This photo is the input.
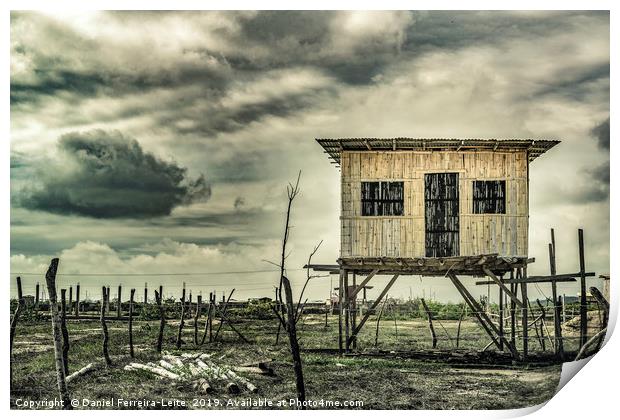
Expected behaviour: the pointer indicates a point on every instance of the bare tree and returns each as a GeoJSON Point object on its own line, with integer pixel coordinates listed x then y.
{"type": "Point", "coordinates": [288, 318]}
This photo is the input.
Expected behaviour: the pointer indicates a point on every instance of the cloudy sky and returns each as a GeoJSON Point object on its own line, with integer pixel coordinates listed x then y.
{"type": "Point", "coordinates": [157, 142]}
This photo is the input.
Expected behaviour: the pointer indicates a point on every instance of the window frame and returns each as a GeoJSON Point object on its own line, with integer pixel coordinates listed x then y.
{"type": "Point", "coordinates": [381, 203]}
{"type": "Point", "coordinates": [491, 202]}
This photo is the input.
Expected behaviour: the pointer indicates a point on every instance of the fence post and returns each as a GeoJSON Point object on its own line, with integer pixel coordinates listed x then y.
{"type": "Point", "coordinates": [118, 306]}
{"type": "Point", "coordinates": [132, 292]}
{"type": "Point", "coordinates": [50, 279]}
{"type": "Point", "coordinates": [64, 330]}
{"type": "Point", "coordinates": [105, 298]}
{"type": "Point", "coordinates": [77, 300]}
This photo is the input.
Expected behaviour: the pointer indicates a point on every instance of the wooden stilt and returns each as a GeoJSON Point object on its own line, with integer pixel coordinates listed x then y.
{"type": "Point", "coordinates": [502, 286]}
{"type": "Point", "coordinates": [374, 305]}
{"type": "Point", "coordinates": [501, 317]}
{"type": "Point", "coordinates": [522, 273]}
{"type": "Point", "coordinates": [347, 314]}
{"type": "Point", "coordinates": [583, 307]}
{"type": "Point", "coordinates": [482, 317]}
{"type": "Point", "coordinates": [340, 308]}
{"type": "Point", "coordinates": [513, 314]}
{"type": "Point", "coordinates": [353, 303]}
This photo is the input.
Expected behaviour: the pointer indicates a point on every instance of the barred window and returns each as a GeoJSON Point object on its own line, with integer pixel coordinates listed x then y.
{"type": "Point", "coordinates": [489, 197]}
{"type": "Point", "coordinates": [382, 198]}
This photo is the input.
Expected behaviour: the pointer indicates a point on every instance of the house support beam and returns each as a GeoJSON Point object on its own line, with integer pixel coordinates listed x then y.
{"type": "Point", "coordinates": [506, 290]}
{"type": "Point", "coordinates": [371, 309]}
{"type": "Point", "coordinates": [486, 322]}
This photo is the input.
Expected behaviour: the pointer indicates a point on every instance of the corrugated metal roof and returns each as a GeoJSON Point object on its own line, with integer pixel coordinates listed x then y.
{"type": "Point", "coordinates": [535, 148]}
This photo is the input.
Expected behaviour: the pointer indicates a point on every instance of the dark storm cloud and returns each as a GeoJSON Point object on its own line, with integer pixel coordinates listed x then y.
{"type": "Point", "coordinates": [108, 175]}
{"type": "Point", "coordinates": [601, 173]}
{"type": "Point", "coordinates": [601, 134]}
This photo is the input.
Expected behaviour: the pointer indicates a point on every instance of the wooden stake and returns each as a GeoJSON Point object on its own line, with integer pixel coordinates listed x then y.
{"type": "Point", "coordinates": [430, 322]}
{"type": "Point", "coordinates": [161, 293]}
{"type": "Point", "coordinates": [64, 330]}
{"type": "Point", "coordinates": [196, 316]}
{"type": "Point", "coordinates": [70, 305]}
{"type": "Point", "coordinates": [208, 323]}
{"type": "Point", "coordinates": [36, 297]}
{"type": "Point", "coordinates": [132, 293]}
{"type": "Point", "coordinates": [162, 317]}
{"type": "Point", "coordinates": [182, 323]}
{"type": "Point", "coordinates": [50, 279]}
{"type": "Point", "coordinates": [119, 303]}
{"type": "Point", "coordinates": [104, 327]}
{"type": "Point", "coordinates": [77, 300]}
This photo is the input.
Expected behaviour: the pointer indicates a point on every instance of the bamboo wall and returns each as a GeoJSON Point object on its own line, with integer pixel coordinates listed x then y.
{"type": "Point", "coordinates": [403, 236]}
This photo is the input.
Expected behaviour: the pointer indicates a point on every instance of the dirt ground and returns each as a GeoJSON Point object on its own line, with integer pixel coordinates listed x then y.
{"type": "Point", "coordinates": [385, 381]}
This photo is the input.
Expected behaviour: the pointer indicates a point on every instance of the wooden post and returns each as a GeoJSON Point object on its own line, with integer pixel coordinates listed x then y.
{"type": "Point", "coordinates": [15, 319]}
{"type": "Point", "coordinates": [77, 300]}
{"type": "Point", "coordinates": [107, 294]}
{"type": "Point", "coordinates": [374, 305]}
{"type": "Point", "coordinates": [146, 293]}
{"type": "Point", "coordinates": [70, 305]}
{"type": "Point", "coordinates": [196, 316]}
{"type": "Point", "coordinates": [162, 317]}
{"type": "Point", "coordinates": [50, 279]}
{"type": "Point", "coordinates": [132, 292]}
{"type": "Point", "coordinates": [513, 314]}
{"type": "Point", "coordinates": [36, 297]}
{"type": "Point", "coordinates": [340, 308]}
{"type": "Point", "coordinates": [182, 323]}
{"type": "Point", "coordinates": [430, 322]}
{"type": "Point", "coordinates": [353, 306]}
{"type": "Point", "coordinates": [583, 307]}
{"type": "Point", "coordinates": [161, 293]}
{"type": "Point", "coordinates": [522, 272]}
{"type": "Point", "coordinates": [119, 303]}
{"type": "Point", "coordinates": [208, 329]}
{"type": "Point", "coordinates": [501, 316]}
{"type": "Point", "coordinates": [64, 330]}
{"type": "Point", "coordinates": [482, 317]}
{"type": "Point", "coordinates": [104, 327]}
{"type": "Point", "coordinates": [294, 344]}
{"type": "Point", "coordinates": [347, 314]}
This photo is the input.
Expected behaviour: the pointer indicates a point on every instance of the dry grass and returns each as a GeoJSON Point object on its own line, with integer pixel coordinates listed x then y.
{"type": "Point", "coordinates": [387, 383]}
